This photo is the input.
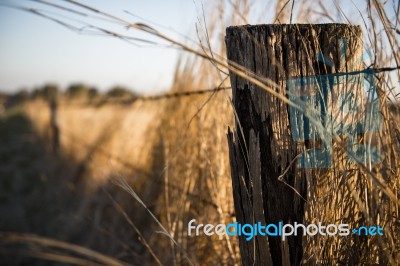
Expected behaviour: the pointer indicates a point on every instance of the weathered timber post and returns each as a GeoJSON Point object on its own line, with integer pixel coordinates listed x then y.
{"type": "Point", "coordinates": [267, 186]}
{"type": "Point", "coordinates": [51, 95]}
{"type": "Point", "coordinates": [55, 130]}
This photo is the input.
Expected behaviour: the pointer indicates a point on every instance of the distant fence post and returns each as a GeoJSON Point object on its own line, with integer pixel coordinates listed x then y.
{"type": "Point", "coordinates": [55, 130]}
{"type": "Point", "coordinates": [269, 136]}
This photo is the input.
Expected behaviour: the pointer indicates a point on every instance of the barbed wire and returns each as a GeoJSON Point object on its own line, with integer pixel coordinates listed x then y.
{"type": "Point", "coordinates": [66, 101]}
{"type": "Point", "coordinates": [222, 88]}
{"type": "Point", "coordinates": [181, 94]}
{"type": "Point", "coordinates": [170, 95]}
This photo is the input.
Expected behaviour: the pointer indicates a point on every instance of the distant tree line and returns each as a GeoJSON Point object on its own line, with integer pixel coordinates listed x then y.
{"type": "Point", "coordinates": [76, 91]}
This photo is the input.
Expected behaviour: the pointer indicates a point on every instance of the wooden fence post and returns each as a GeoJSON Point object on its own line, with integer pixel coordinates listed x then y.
{"type": "Point", "coordinates": [55, 130]}
{"type": "Point", "coordinates": [267, 186]}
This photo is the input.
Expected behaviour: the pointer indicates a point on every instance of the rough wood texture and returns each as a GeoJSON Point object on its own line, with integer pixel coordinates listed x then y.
{"type": "Point", "coordinates": [262, 146]}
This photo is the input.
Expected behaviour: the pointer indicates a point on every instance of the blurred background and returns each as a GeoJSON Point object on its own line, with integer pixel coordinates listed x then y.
{"type": "Point", "coordinates": [113, 134]}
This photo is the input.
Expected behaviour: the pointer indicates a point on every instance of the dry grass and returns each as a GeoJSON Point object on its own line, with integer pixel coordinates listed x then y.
{"type": "Point", "coordinates": [175, 157]}
{"type": "Point", "coordinates": [174, 154]}
{"type": "Point", "coordinates": [106, 138]}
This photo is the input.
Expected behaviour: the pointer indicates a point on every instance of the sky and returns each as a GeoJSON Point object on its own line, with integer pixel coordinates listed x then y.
{"type": "Point", "coordinates": [34, 50]}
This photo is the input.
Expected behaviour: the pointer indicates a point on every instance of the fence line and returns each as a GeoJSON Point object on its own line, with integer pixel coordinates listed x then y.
{"type": "Point", "coordinates": [132, 99]}
{"type": "Point", "coordinates": [171, 95]}
{"type": "Point", "coordinates": [181, 94]}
